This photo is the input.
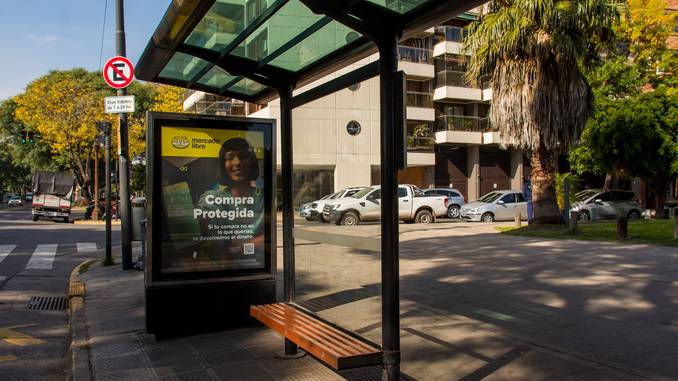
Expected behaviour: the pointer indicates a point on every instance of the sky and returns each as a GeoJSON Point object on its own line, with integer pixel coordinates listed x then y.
{"type": "Point", "coordinates": [37, 36]}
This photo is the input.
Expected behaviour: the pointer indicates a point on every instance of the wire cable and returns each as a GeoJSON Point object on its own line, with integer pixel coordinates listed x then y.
{"type": "Point", "coordinates": [103, 33]}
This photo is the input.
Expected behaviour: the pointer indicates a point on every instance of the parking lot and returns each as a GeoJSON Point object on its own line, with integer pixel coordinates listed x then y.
{"type": "Point", "coordinates": [476, 304]}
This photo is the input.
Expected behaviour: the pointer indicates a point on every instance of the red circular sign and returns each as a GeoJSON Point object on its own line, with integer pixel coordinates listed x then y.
{"type": "Point", "coordinates": [118, 72]}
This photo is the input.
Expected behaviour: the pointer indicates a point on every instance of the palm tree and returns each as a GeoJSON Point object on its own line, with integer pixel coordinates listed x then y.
{"type": "Point", "coordinates": [534, 49]}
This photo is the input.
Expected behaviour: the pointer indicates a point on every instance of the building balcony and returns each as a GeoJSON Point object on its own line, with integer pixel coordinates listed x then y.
{"type": "Point", "coordinates": [417, 63]}
{"type": "Point", "coordinates": [420, 106]}
{"type": "Point", "coordinates": [424, 144]}
{"type": "Point", "coordinates": [462, 129]}
{"type": "Point", "coordinates": [452, 84]}
{"type": "Point", "coordinates": [450, 40]}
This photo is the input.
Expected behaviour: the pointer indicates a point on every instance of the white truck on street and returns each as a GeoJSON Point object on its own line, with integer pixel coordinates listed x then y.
{"type": "Point", "coordinates": [52, 195]}
{"type": "Point", "coordinates": [365, 205]}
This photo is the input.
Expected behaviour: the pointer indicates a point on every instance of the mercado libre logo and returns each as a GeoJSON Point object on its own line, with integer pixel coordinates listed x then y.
{"type": "Point", "coordinates": [180, 142]}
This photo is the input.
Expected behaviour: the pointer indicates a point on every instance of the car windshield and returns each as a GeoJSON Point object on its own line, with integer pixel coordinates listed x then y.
{"type": "Point", "coordinates": [335, 196]}
{"type": "Point", "coordinates": [328, 196]}
{"type": "Point", "coordinates": [583, 195]}
{"type": "Point", "coordinates": [490, 197]}
{"type": "Point", "coordinates": [361, 193]}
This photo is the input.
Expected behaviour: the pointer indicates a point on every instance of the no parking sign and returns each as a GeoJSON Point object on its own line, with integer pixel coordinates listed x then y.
{"type": "Point", "coordinates": [118, 72]}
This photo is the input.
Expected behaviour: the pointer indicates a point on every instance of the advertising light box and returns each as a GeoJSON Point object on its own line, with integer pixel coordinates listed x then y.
{"type": "Point", "coordinates": [211, 206]}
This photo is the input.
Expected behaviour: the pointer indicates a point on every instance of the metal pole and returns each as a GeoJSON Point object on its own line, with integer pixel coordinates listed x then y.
{"type": "Point", "coordinates": [390, 294]}
{"type": "Point", "coordinates": [291, 349]}
{"type": "Point", "coordinates": [125, 211]}
{"type": "Point", "coordinates": [95, 211]}
{"type": "Point", "coordinates": [566, 200]}
{"type": "Point", "coordinates": [107, 214]}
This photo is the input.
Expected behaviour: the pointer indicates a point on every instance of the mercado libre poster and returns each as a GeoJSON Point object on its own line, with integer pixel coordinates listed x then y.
{"type": "Point", "coordinates": [212, 199]}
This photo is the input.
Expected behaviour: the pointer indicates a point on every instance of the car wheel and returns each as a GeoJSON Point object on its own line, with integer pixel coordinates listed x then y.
{"type": "Point", "coordinates": [65, 219]}
{"type": "Point", "coordinates": [423, 217]}
{"type": "Point", "coordinates": [35, 217]}
{"type": "Point", "coordinates": [349, 219]}
{"type": "Point", "coordinates": [309, 219]}
{"type": "Point", "coordinates": [633, 215]}
{"type": "Point", "coordinates": [487, 217]}
{"type": "Point", "coordinates": [584, 215]}
{"type": "Point", "coordinates": [453, 211]}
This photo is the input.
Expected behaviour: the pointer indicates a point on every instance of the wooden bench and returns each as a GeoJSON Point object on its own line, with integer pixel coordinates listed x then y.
{"type": "Point", "coordinates": [328, 344]}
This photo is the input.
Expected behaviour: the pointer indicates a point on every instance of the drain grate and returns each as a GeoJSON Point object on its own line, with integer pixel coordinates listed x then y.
{"type": "Point", "coordinates": [47, 303]}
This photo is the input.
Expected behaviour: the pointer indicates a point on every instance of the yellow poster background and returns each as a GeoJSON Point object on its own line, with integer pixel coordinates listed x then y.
{"type": "Point", "coordinates": [204, 142]}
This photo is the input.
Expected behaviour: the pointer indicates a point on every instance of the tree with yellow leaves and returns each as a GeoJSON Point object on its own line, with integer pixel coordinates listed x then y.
{"type": "Point", "coordinates": [62, 108]}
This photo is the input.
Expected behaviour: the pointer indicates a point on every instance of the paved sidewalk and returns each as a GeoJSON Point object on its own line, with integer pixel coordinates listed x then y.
{"type": "Point", "coordinates": [118, 348]}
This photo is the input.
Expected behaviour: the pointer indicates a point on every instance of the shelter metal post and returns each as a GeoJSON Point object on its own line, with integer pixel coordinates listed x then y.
{"type": "Point", "coordinates": [287, 158]}
{"type": "Point", "coordinates": [390, 294]}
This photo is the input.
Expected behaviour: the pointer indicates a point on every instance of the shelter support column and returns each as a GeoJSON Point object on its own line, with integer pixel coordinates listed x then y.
{"type": "Point", "coordinates": [287, 158]}
{"type": "Point", "coordinates": [390, 293]}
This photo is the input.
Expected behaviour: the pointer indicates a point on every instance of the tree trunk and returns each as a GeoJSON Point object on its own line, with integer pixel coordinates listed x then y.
{"type": "Point", "coordinates": [609, 178]}
{"type": "Point", "coordinates": [544, 200]}
{"type": "Point", "coordinates": [660, 192]}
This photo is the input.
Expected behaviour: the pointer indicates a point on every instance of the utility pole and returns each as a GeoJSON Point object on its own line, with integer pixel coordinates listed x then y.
{"type": "Point", "coordinates": [105, 128]}
{"type": "Point", "coordinates": [123, 154]}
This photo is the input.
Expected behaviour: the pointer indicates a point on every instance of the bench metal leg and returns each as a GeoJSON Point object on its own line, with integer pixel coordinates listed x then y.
{"type": "Point", "coordinates": [292, 351]}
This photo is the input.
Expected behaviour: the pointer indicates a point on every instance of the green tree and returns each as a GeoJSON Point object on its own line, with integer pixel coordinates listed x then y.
{"type": "Point", "coordinates": [534, 51]}
{"type": "Point", "coordinates": [635, 137]}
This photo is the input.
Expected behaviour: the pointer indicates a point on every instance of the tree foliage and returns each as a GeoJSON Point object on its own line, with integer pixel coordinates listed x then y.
{"type": "Point", "coordinates": [62, 107]}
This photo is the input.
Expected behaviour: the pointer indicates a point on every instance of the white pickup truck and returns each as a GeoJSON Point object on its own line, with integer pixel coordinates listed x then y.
{"type": "Point", "coordinates": [366, 206]}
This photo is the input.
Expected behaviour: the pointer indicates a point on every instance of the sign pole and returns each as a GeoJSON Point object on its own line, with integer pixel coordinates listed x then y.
{"type": "Point", "coordinates": [123, 154]}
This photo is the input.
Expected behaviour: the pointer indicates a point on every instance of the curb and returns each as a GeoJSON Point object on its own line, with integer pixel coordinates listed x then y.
{"type": "Point", "coordinates": [78, 349]}
{"type": "Point", "coordinates": [90, 222]}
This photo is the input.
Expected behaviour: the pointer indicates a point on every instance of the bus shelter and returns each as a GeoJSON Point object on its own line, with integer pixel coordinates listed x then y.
{"type": "Point", "coordinates": [216, 46]}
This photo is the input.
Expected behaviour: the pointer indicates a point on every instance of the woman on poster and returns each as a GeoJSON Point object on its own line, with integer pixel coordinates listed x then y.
{"type": "Point", "coordinates": [238, 200]}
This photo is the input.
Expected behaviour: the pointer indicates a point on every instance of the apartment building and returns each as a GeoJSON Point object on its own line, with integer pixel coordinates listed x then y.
{"type": "Point", "coordinates": [450, 141]}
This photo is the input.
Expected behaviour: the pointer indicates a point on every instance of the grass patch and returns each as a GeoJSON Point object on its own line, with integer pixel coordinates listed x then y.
{"type": "Point", "coordinates": [84, 268]}
{"type": "Point", "coordinates": [656, 232]}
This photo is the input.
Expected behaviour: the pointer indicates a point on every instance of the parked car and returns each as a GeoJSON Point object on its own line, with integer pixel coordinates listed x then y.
{"type": "Point", "coordinates": [496, 206]}
{"type": "Point", "coordinates": [7, 196]}
{"type": "Point", "coordinates": [314, 210]}
{"type": "Point", "coordinates": [455, 199]}
{"type": "Point", "coordinates": [365, 205]}
{"type": "Point", "coordinates": [28, 197]}
{"type": "Point", "coordinates": [596, 203]}
{"type": "Point", "coordinates": [15, 201]}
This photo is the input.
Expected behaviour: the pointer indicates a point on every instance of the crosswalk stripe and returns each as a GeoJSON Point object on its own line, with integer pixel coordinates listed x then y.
{"type": "Point", "coordinates": [43, 257]}
{"type": "Point", "coordinates": [5, 250]}
{"type": "Point", "coordinates": [85, 247]}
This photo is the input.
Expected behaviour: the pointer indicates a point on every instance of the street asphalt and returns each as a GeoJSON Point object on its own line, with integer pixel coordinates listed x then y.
{"type": "Point", "coordinates": [36, 259]}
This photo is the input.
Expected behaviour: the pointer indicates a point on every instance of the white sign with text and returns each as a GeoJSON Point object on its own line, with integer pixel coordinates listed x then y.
{"type": "Point", "coordinates": [115, 105]}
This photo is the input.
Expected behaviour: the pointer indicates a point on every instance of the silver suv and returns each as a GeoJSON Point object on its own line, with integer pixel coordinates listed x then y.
{"type": "Point", "coordinates": [454, 198]}
{"type": "Point", "coordinates": [496, 206]}
{"type": "Point", "coordinates": [596, 203]}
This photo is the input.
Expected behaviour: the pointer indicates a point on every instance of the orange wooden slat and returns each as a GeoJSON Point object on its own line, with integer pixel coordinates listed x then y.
{"type": "Point", "coordinates": [330, 345]}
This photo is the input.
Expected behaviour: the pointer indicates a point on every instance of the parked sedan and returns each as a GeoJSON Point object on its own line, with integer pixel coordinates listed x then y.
{"type": "Point", "coordinates": [496, 206]}
{"type": "Point", "coordinates": [454, 197]}
{"type": "Point", "coordinates": [15, 201]}
{"type": "Point", "coordinates": [595, 203]}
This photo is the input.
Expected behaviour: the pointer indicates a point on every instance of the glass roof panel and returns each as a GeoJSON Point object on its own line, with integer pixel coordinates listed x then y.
{"type": "Point", "coordinates": [287, 23]}
{"type": "Point", "coordinates": [225, 20]}
{"type": "Point", "coordinates": [216, 77]}
{"type": "Point", "coordinates": [326, 40]}
{"type": "Point", "coordinates": [183, 67]}
{"type": "Point", "coordinates": [246, 86]}
{"type": "Point", "coordinates": [400, 6]}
